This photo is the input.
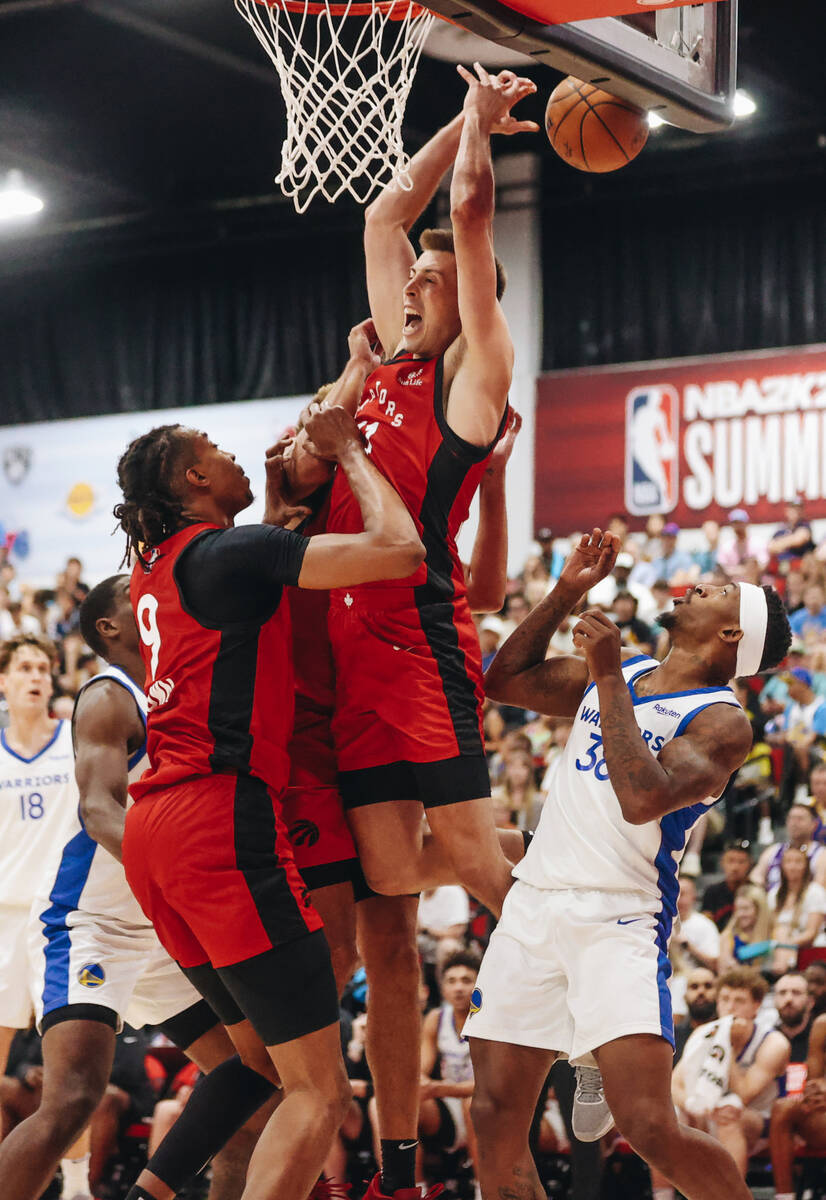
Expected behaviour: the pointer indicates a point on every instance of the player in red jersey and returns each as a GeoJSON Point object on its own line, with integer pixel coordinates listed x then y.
{"type": "Point", "coordinates": [205, 850]}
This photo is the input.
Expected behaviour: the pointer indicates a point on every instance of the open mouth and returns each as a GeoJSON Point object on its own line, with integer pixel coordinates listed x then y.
{"type": "Point", "coordinates": [412, 320]}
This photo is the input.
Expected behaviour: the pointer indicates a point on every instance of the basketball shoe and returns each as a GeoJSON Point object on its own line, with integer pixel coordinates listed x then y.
{"type": "Point", "coordinates": [374, 1191]}
{"type": "Point", "coordinates": [591, 1116]}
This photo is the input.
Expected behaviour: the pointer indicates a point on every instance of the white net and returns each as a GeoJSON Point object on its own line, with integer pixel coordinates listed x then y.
{"type": "Point", "coordinates": [345, 71]}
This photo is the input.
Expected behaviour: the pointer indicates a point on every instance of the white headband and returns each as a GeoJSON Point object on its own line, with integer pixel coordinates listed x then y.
{"type": "Point", "coordinates": [754, 617]}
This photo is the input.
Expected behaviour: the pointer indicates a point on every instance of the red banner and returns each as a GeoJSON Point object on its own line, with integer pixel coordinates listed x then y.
{"type": "Point", "coordinates": [560, 12]}
{"type": "Point", "coordinates": [690, 437]}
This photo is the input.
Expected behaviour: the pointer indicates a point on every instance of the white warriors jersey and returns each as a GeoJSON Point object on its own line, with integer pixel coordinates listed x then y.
{"type": "Point", "coordinates": [583, 840]}
{"type": "Point", "coordinates": [36, 811]}
{"type": "Point", "coordinates": [454, 1050]}
{"type": "Point", "coordinates": [82, 875]}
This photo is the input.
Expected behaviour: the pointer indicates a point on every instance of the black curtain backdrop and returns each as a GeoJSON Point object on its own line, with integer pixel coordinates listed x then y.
{"type": "Point", "coordinates": [662, 276]}
{"type": "Point", "coordinates": [268, 318]}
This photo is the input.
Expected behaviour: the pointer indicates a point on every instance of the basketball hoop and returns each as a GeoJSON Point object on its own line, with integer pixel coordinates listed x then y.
{"type": "Point", "coordinates": [345, 71]}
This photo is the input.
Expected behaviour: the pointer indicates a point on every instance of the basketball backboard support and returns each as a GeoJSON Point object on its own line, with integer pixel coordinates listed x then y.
{"type": "Point", "coordinates": [679, 62]}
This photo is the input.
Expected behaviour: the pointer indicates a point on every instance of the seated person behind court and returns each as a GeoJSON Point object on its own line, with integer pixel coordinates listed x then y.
{"type": "Point", "coordinates": [739, 1113]}
{"type": "Point", "coordinates": [797, 906]}
{"type": "Point", "coordinates": [802, 1117]}
{"type": "Point", "coordinates": [748, 927]}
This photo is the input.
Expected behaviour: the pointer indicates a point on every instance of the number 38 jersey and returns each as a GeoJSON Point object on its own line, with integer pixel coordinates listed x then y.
{"type": "Point", "coordinates": [583, 840]}
{"type": "Point", "coordinates": [37, 809]}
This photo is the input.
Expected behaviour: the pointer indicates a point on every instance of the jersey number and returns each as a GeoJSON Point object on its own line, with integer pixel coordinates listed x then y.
{"type": "Point", "coordinates": [148, 625]}
{"type": "Point", "coordinates": [593, 762]}
{"type": "Point", "coordinates": [367, 432]}
{"type": "Point", "coordinates": [31, 807]}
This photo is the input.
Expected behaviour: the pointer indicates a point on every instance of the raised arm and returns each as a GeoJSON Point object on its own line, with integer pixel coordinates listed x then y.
{"type": "Point", "coordinates": [387, 250]}
{"type": "Point", "coordinates": [688, 769]}
{"type": "Point", "coordinates": [520, 674]}
{"type": "Point", "coordinates": [480, 364]}
{"type": "Point", "coordinates": [107, 728]}
{"type": "Point", "coordinates": [486, 575]}
{"type": "Point", "coordinates": [389, 547]}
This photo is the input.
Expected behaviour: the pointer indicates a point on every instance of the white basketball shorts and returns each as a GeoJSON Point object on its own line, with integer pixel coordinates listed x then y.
{"type": "Point", "coordinates": [77, 958]}
{"type": "Point", "coordinates": [15, 998]}
{"type": "Point", "coordinates": [572, 970]}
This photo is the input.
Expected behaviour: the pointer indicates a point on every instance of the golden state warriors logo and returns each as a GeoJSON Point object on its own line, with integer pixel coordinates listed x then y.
{"type": "Point", "coordinates": [91, 976]}
{"type": "Point", "coordinates": [475, 1001]}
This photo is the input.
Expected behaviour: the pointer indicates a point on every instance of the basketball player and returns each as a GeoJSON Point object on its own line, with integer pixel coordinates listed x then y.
{"type": "Point", "coordinates": [35, 813]}
{"type": "Point", "coordinates": [578, 964]}
{"type": "Point", "coordinates": [204, 847]}
{"type": "Point", "coordinates": [94, 960]}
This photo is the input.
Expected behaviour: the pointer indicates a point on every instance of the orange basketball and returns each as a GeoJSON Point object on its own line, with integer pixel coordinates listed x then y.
{"type": "Point", "coordinates": [592, 130]}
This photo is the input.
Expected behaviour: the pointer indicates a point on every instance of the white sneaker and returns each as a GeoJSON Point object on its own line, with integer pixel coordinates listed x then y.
{"type": "Point", "coordinates": [591, 1117]}
{"type": "Point", "coordinates": [691, 864]}
{"type": "Point", "coordinates": [765, 834]}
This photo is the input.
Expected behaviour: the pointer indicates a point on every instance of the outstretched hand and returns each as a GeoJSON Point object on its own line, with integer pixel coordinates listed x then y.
{"type": "Point", "coordinates": [330, 431]}
{"type": "Point", "coordinates": [591, 560]}
{"type": "Point", "coordinates": [492, 97]}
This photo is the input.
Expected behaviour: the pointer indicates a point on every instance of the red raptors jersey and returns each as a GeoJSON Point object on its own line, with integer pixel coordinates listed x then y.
{"type": "Point", "coordinates": [311, 750]}
{"type": "Point", "coordinates": [436, 473]}
{"type": "Point", "coordinates": [220, 699]}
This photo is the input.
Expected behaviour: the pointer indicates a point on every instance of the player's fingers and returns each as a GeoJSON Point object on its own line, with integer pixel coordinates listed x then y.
{"type": "Point", "coordinates": [483, 76]}
{"type": "Point", "coordinates": [466, 75]}
{"type": "Point", "coordinates": [522, 126]}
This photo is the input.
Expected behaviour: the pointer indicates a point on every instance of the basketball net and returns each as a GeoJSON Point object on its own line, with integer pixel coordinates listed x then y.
{"type": "Point", "coordinates": [345, 71]}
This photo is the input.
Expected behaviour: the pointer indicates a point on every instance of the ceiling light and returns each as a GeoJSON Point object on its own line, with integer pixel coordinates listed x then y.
{"type": "Point", "coordinates": [744, 106]}
{"type": "Point", "coordinates": [655, 120]}
{"type": "Point", "coordinates": [16, 200]}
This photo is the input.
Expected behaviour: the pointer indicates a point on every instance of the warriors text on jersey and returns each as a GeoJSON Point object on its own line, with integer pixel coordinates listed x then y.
{"type": "Point", "coordinates": [415, 636]}
{"type": "Point", "coordinates": [37, 809]}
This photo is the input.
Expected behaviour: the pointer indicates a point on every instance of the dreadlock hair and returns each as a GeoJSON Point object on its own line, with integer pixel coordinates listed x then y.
{"type": "Point", "coordinates": [151, 511]}
{"type": "Point", "coordinates": [99, 603]}
{"type": "Point", "coordinates": [778, 631]}
{"type": "Point", "coordinates": [442, 239]}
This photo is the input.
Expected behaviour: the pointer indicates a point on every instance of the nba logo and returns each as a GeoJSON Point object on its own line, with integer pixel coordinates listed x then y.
{"type": "Point", "coordinates": [651, 449]}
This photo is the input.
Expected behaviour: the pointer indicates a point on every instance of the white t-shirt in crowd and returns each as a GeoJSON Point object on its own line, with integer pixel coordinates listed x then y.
{"type": "Point", "coordinates": [703, 935]}
{"type": "Point", "coordinates": [814, 901]}
{"type": "Point", "coordinates": [443, 907]}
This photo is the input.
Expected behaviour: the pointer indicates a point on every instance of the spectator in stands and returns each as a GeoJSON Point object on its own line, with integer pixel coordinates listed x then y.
{"type": "Point", "coordinates": [718, 898]}
{"type": "Point", "coordinates": [801, 823]}
{"type": "Point", "coordinates": [741, 547]}
{"type": "Point", "coordinates": [705, 559]}
{"type": "Point", "coordinates": [672, 564]}
{"type": "Point", "coordinates": [444, 913]}
{"type": "Point", "coordinates": [517, 793]}
{"type": "Point", "coordinates": [775, 694]}
{"type": "Point", "coordinates": [801, 728]}
{"type": "Point", "coordinates": [809, 622]}
{"type": "Point", "coordinates": [749, 926]}
{"type": "Point", "coordinates": [545, 541]}
{"type": "Point", "coordinates": [444, 1105]}
{"type": "Point", "coordinates": [701, 1006]}
{"type": "Point", "coordinates": [490, 637]}
{"type": "Point", "coordinates": [798, 908]}
{"type": "Point", "coordinates": [794, 539]}
{"type": "Point", "coordinates": [358, 1072]}
{"type": "Point", "coordinates": [747, 1057]}
{"type": "Point", "coordinates": [606, 591]}
{"type": "Point", "coordinates": [619, 523]}
{"type": "Point", "coordinates": [516, 609]}
{"type": "Point", "coordinates": [815, 975]}
{"type": "Point", "coordinates": [800, 1116]}
{"type": "Point", "coordinates": [20, 1086]}
{"type": "Point", "coordinates": [636, 635]}
{"type": "Point", "coordinates": [695, 942]}
{"type": "Point", "coordinates": [794, 1014]}
{"type": "Point", "coordinates": [817, 799]}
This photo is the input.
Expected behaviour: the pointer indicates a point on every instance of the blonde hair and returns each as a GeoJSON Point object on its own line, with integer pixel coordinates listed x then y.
{"type": "Point", "coordinates": [442, 239]}
{"type": "Point", "coordinates": [762, 924]}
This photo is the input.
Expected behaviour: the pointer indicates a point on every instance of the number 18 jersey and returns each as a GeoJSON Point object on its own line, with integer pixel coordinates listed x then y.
{"type": "Point", "coordinates": [583, 841]}
{"type": "Point", "coordinates": [37, 808]}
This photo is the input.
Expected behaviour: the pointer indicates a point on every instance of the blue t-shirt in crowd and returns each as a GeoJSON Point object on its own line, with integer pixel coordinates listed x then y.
{"type": "Point", "coordinates": [804, 623]}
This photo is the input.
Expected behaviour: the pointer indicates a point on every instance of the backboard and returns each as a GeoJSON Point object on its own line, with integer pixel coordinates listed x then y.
{"type": "Point", "coordinates": [680, 62]}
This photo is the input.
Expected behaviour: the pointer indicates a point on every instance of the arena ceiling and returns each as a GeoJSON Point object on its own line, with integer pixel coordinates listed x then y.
{"type": "Point", "coordinates": [147, 122]}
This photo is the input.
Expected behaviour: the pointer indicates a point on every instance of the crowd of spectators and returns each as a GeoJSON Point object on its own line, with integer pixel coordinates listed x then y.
{"type": "Point", "coordinates": [752, 901]}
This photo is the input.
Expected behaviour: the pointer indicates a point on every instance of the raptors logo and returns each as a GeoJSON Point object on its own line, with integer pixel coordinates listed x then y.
{"type": "Point", "coordinates": [16, 463]}
{"type": "Point", "coordinates": [651, 449]}
{"type": "Point", "coordinates": [304, 833]}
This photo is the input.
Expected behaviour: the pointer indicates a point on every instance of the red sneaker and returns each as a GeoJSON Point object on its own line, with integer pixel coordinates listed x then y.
{"type": "Point", "coordinates": [374, 1191]}
{"type": "Point", "coordinates": [330, 1189]}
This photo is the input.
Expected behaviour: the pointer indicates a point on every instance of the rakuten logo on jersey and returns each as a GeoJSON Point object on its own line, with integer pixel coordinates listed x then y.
{"type": "Point", "coordinates": [159, 692]}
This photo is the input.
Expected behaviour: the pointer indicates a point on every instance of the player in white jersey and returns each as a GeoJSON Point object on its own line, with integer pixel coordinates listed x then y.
{"type": "Point", "coordinates": [444, 1108]}
{"type": "Point", "coordinates": [578, 963]}
{"type": "Point", "coordinates": [95, 961]}
{"type": "Point", "coordinates": [36, 809]}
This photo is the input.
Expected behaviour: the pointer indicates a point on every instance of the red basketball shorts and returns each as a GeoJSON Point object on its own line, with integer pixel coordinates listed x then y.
{"type": "Point", "coordinates": [408, 691]}
{"type": "Point", "coordinates": [212, 867]}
